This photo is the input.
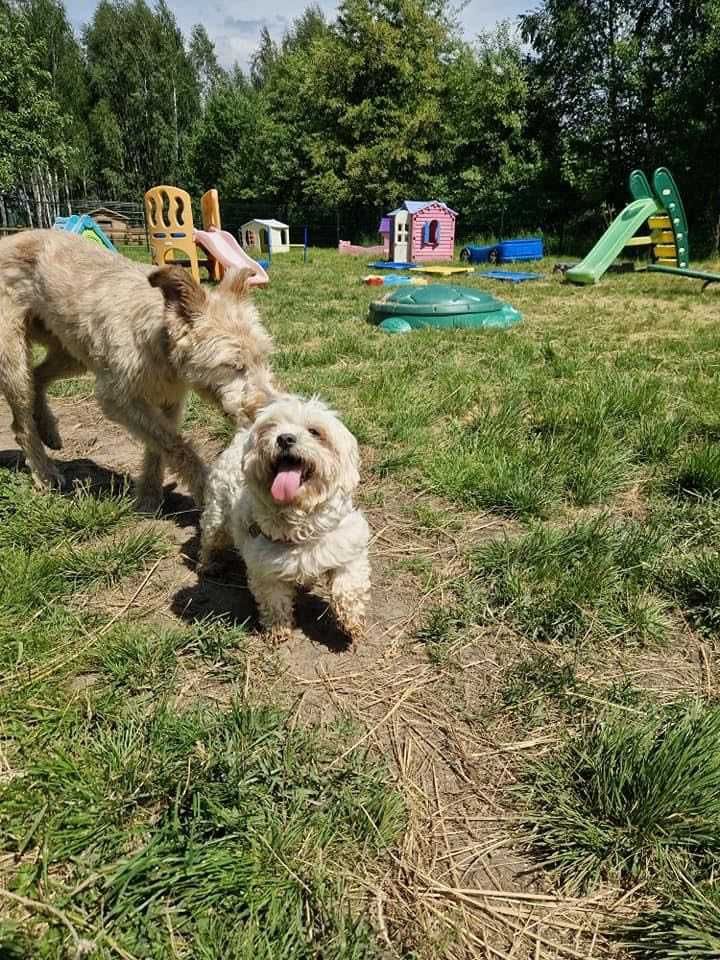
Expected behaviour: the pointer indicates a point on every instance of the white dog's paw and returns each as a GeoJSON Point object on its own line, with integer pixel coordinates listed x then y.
{"type": "Point", "coordinates": [355, 630]}
{"type": "Point", "coordinates": [279, 636]}
{"type": "Point", "coordinates": [349, 614]}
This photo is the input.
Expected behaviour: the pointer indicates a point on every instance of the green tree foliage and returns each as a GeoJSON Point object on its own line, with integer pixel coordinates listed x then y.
{"type": "Point", "coordinates": [516, 129]}
{"type": "Point", "coordinates": [491, 161]}
{"type": "Point", "coordinates": [625, 83]}
{"type": "Point", "coordinates": [204, 61]}
{"type": "Point", "coordinates": [33, 126]}
{"type": "Point", "coordinates": [145, 90]}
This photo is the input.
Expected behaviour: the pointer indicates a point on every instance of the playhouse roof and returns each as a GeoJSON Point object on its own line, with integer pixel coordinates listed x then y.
{"type": "Point", "coordinates": [415, 206]}
{"type": "Point", "coordinates": [107, 212]}
{"type": "Point", "coordinates": [384, 226]}
{"type": "Point", "coordinates": [270, 223]}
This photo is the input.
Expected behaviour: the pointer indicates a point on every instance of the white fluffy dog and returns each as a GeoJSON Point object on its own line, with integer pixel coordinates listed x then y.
{"type": "Point", "coordinates": [282, 495]}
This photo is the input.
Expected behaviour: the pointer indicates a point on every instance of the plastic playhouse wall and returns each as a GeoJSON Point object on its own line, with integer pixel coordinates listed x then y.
{"type": "Point", "coordinates": [433, 234]}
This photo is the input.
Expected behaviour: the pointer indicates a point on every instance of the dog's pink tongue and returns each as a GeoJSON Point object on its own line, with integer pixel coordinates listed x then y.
{"type": "Point", "coordinates": [286, 484]}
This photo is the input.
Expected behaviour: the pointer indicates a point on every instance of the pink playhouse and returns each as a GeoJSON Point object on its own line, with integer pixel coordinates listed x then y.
{"type": "Point", "coordinates": [422, 230]}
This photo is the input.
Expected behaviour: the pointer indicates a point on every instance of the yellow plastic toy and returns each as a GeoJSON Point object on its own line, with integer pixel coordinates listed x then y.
{"type": "Point", "coordinates": [168, 214]}
{"type": "Point", "coordinates": [442, 271]}
{"type": "Point", "coordinates": [210, 207]}
{"type": "Point", "coordinates": [169, 218]}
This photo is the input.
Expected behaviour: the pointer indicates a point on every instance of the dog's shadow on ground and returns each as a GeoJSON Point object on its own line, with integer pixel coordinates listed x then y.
{"type": "Point", "coordinates": [86, 474]}
{"type": "Point", "coordinates": [224, 593]}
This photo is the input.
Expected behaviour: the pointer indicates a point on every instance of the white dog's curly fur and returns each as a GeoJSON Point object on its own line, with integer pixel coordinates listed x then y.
{"type": "Point", "coordinates": [282, 495]}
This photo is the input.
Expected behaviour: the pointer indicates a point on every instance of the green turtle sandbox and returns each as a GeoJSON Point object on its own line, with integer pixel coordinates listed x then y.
{"type": "Point", "coordinates": [441, 306]}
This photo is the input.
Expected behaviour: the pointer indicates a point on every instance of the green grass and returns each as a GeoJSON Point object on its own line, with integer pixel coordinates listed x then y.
{"type": "Point", "coordinates": [686, 928]}
{"type": "Point", "coordinates": [593, 429]}
{"type": "Point", "coordinates": [199, 814]}
{"type": "Point", "coordinates": [633, 796]}
{"type": "Point", "coordinates": [160, 830]}
{"type": "Point", "coordinates": [588, 581]}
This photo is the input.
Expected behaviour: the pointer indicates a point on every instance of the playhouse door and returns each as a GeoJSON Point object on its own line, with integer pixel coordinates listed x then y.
{"type": "Point", "coordinates": [400, 247]}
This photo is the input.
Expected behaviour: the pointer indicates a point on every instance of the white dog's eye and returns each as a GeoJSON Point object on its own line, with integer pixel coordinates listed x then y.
{"type": "Point", "coordinates": [242, 370]}
{"type": "Point", "coordinates": [314, 432]}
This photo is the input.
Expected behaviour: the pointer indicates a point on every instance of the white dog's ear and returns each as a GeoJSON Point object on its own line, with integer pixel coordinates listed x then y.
{"type": "Point", "coordinates": [180, 291]}
{"type": "Point", "coordinates": [236, 283]}
{"type": "Point", "coordinates": [351, 472]}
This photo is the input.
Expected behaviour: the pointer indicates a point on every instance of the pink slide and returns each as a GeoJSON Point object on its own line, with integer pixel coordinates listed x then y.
{"type": "Point", "coordinates": [223, 247]}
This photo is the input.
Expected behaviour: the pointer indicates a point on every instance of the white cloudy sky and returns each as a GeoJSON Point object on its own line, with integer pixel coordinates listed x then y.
{"type": "Point", "coordinates": [235, 25]}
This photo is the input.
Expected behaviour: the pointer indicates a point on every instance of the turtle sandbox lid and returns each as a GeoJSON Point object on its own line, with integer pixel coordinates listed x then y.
{"type": "Point", "coordinates": [443, 306]}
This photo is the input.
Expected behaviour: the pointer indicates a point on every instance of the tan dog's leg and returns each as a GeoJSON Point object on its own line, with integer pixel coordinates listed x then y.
{"type": "Point", "coordinates": [155, 430]}
{"type": "Point", "coordinates": [349, 594]}
{"type": "Point", "coordinates": [16, 382]}
{"type": "Point", "coordinates": [275, 601]}
{"type": "Point", "coordinates": [150, 485]}
{"type": "Point", "coordinates": [57, 364]}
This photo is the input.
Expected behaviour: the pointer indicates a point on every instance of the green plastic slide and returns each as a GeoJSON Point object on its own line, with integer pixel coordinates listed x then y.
{"type": "Point", "coordinates": [666, 189]}
{"type": "Point", "coordinates": [612, 242]}
{"type": "Point", "coordinates": [640, 188]}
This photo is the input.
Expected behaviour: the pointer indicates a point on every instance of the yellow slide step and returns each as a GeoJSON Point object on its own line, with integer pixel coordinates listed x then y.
{"type": "Point", "coordinates": [667, 261]}
{"type": "Point", "coordinates": [639, 242]}
{"type": "Point", "coordinates": [660, 222]}
{"type": "Point", "coordinates": [663, 236]}
{"type": "Point", "coordinates": [668, 250]}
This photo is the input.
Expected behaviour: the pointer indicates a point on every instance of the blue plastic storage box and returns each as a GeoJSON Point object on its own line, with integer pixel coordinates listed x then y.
{"type": "Point", "coordinates": [475, 254]}
{"type": "Point", "coordinates": [514, 251]}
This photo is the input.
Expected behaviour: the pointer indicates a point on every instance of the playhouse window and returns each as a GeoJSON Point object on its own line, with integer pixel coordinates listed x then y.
{"type": "Point", "coordinates": [433, 232]}
{"type": "Point", "coordinates": [284, 237]}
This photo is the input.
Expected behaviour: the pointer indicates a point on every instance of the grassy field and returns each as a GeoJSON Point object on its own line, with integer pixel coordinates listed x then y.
{"type": "Point", "coordinates": [525, 763]}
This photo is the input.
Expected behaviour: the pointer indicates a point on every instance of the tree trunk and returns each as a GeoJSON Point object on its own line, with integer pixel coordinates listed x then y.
{"type": "Point", "coordinates": [36, 200]}
{"type": "Point", "coordinates": [68, 202]}
{"type": "Point", "coordinates": [613, 92]}
{"type": "Point", "coordinates": [26, 201]}
{"type": "Point", "coordinates": [175, 127]}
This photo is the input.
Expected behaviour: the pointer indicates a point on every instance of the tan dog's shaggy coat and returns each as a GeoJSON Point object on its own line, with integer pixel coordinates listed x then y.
{"type": "Point", "coordinates": [148, 336]}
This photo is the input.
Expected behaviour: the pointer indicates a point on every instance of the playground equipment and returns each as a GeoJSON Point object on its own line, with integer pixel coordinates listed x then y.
{"type": "Point", "coordinates": [510, 276]}
{"type": "Point", "coordinates": [265, 235]}
{"type": "Point", "coordinates": [86, 227]}
{"type": "Point", "coordinates": [356, 249]}
{"type": "Point", "coordinates": [372, 250]}
{"type": "Point", "coordinates": [444, 270]}
{"type": "Point", "coordinates": [392, 265]}
{"type": "Point", "coordinates": [661, 207]}
{"type": "Point", "coordinates": [168, 213]}
{"type": "Point", "coordinates": [375, 280]}
{"type": "Point", "coordinates": [422, 230]}
{"type": "Point", "coordinates": [507, 251]}
{"type": "Point", "coordinates": [440, 306]}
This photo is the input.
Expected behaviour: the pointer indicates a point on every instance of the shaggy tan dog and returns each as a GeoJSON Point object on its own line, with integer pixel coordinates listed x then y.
{"type": "Point", "coordinates": [282, 494]}
{"type": "Point", "coordinates": [148, 336]}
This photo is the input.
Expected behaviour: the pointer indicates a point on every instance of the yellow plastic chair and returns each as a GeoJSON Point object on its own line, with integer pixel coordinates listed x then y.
{"type": "Point", "coordinates": [168, 214]}
{"type": "Point", "coordinates": [210, 207]}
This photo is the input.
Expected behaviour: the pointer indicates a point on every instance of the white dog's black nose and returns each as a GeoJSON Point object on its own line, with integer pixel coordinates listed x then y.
{"type": "Point", "coordinates": [286, 440]}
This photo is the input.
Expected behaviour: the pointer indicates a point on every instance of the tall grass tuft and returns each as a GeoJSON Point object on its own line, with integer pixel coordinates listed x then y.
{"type": "Point", "coordinates": [630, 797]}
{"type": "Point", "coordinates": [588, 581]}
{"type": "Point", "coordinates": [687, 927]}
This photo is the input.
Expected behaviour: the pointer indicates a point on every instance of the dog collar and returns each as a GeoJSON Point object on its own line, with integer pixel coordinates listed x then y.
{"type": "Point", "coordinates": [255, 531]}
